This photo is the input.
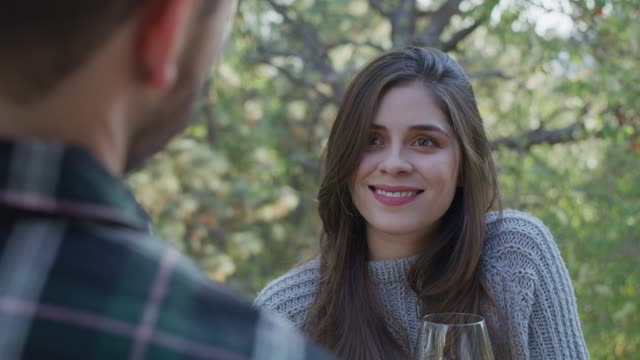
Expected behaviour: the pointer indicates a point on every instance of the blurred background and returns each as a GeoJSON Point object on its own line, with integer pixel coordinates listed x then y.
{"type": "Point", "coordinates": [557, 83]}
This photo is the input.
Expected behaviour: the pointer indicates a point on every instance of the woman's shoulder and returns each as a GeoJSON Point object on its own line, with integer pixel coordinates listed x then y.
{"type": "Point", "coordinates": [513, 220]}
{"type": "Point", "coordinates": [526, 274]}
{"type": "Point", "coordinates": [291, 294]}
{"type": "Point", "coordinates": [518, 241]}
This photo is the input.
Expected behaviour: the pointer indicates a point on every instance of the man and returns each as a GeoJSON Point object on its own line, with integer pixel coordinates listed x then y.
{"type": "Point", "coordinates": [88, 90]}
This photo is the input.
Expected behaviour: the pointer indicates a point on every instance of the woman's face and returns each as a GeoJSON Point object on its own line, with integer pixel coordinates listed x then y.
{"type": "Point", "coordinates": [408, 174]}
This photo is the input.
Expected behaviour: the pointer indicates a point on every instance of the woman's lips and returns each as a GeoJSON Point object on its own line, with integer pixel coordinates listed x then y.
{"type": "Point", "coordinates": [395, 195]}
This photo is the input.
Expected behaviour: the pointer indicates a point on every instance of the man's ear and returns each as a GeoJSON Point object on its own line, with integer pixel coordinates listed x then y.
{"type": "Point", "coordinates": [161, 33]}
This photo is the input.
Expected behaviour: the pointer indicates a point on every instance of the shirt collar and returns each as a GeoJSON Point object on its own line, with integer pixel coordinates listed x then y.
{"type": "Point", "coordinates": [52, 178]}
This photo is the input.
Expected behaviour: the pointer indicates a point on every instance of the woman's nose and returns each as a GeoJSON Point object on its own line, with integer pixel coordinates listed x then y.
{"type": "Point", "coordinates": [395, 162]}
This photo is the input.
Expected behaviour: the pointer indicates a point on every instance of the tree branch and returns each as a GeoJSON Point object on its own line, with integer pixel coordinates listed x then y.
{"type": "Point", "coordinates": [314, 52]}
{"type": "Point", "coordinates": [377, 6]}
{"type": "Point", "coordinates": [207, 109]}
{"type": "Point", "coordinates": [402, 18]}
{"type": "Point", "coordinates": [458, 36]}
{"type": "Point", "coordinates": [356, 44]}
{"type": "Point", "coordinates": [403, 23]}
{"type": "Point", "coordinates": [315, 117]}
{"type": "Point", "coordinates": [489, 74]}
{"type": "Point", "coordinates": [440, 19]}
{"type": "Point", "coordinates": [300, 80]}
{"type": "Point", "coordinates": [573, 132]}
{"type": "Point", "coordinates": [307, 33]}
{"type": "Point", "coordinates": [310, 165]}
{"type": "Point", "coordinates": [424, 13]}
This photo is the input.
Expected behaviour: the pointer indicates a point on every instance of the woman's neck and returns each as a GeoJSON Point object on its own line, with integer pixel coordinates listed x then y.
{"type": "Point", "coordinates": [386, 246]}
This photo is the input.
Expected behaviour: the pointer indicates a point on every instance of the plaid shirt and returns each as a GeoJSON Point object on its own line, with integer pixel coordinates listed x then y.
{"type": "Point", "coordinates": [82, 278]}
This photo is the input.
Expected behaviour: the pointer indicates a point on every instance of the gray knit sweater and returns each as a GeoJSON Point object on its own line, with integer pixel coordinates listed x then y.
{"type": "Point", "coordinates": [521, 266]}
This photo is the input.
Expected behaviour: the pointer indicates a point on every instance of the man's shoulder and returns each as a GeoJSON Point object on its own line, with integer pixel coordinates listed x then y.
{"type": "Point", "coordinates": [102, 283]}
{"type": "Point", "coordinates": [218, 315]}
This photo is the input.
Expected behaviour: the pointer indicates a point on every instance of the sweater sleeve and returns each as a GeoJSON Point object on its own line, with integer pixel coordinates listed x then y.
{"type": "Point", "coordinates": [532, 284]}
{"type": "Point", "coordinates": [291, 295]}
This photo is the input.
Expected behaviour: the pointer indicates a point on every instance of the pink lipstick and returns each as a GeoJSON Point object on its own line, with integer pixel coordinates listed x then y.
{"type": "Point", "coordinates": [395, 195]}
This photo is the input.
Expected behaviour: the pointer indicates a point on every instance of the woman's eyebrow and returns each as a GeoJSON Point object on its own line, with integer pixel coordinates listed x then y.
{"type": "Point", "coordinates": [429, 127]}
{"type": "Point", "coordinates": [420, 127]}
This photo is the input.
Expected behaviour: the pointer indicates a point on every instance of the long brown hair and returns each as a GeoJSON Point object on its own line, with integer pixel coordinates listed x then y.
{"type": "Point", "coordinates": [345, 315]}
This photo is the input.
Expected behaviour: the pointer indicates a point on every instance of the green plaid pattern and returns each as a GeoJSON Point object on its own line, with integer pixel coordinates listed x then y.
{"type": "Point", "coordinates": [81, 277]}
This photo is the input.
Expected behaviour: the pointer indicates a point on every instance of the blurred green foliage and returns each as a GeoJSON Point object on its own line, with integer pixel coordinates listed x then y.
{"type": "Point", "coordinates": [237, 191]}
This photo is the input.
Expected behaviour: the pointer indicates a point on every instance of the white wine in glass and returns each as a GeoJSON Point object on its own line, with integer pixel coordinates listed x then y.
{"type": "Point", "coordinates": [454, 336]}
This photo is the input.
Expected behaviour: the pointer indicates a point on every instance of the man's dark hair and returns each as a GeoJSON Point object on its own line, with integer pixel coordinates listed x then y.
{"type": "Point", "coordinates": [42, 42]}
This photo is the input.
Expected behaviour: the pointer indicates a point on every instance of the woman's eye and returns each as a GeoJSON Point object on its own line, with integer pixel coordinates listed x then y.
{"type": "Point", "coordinates": [425, 141]}
{"type": "Point", "coordinates": [375, 140]}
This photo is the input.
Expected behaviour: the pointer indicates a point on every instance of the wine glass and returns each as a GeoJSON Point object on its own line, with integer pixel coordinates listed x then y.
{"type": "Point", "coordinates": [454, 336]}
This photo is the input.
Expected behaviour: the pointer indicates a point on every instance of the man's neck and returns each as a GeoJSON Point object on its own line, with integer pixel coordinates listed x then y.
{"type": "Point", "coordinates": [73, 126]}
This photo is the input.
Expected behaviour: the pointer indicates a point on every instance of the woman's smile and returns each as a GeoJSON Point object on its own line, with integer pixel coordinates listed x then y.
{"type": "Point", "coordinates": [395, 195]}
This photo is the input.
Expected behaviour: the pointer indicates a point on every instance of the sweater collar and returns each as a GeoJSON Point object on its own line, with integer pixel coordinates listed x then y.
{"type": "Point", "coordinates": [391, 270]}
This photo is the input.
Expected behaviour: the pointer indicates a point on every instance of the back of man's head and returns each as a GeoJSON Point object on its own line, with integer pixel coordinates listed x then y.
{"type": "Point", "coordinates": [41, 42]}
{"type": "Point", "coordinates": [126, 69]}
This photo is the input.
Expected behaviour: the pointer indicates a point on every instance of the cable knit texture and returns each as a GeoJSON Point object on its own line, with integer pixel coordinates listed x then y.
{"type": "Point", "coordinates": [520, 264]}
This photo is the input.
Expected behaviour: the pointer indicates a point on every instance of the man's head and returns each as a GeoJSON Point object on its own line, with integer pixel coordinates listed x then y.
{"type": "Point", "coordinates": [118, 77]}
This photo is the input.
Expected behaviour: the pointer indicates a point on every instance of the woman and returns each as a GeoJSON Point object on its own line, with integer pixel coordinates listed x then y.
{"type": "Point", "coordinates": [407, 230]}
